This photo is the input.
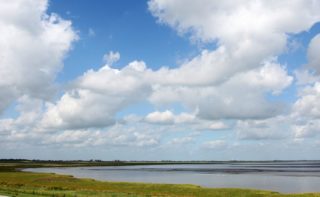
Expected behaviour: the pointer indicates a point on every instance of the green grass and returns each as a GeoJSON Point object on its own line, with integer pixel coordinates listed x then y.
{"type": "Point", "coordinates": [26, 184]}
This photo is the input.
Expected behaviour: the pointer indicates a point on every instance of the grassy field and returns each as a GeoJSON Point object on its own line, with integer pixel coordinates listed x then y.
{"type": "Point", "coordinates": [25, 184]}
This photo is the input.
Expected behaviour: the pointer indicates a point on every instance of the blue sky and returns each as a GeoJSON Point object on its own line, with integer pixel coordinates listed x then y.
{"type": "Point", "coordinates": [160, 79]}
{"type": "Point", "coordinates": [127, 27]}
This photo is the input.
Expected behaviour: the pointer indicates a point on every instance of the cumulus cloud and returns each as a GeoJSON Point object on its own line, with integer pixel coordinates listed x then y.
{"type": "Point", "coordinates": [241, 96]}
{"type": "Point", "coordinates": [236, 20]}
{"type": "Point", "coordinates": [305, 77]}
{"type": "Point", "coordinates": [215, 145]}
{"type": "Point", "coordinates": [233, 81]}
{"type": "Point", "coordinates": [176, 122]}
{"type": "Point", "coordinates": [246, 33]}
{"type": "Point", "coordinates": [139, 135]}
{"type": "Point", "coordinates": [306, 112]}
{"type": "Point", "coordinates": [306, 109]}
{"type": "Point", "coordinates": [5, 126]}
{"type": "Point", "coordinates": [160, 117]}
{"type": "Point", "coordinates": [217, 125]}
{"type": "Point", "coordinates": [96, 97]}
{"type": "Point", "coordinates": [273, 128]}
{"type": "Point", "coordinates": [167, 117]}
{"type": "Point", "coordinates": [308, 129]}
{"type": "Point", "coordinates": [308, 103]}
{"type": "Point", "coordinates": [207, 68]}
{"type": "Point", "coordinates": [32, 47]}
{"type": "Point", "coordinates": [181, 141]}
{"type": "Point", "coordinates": [111, 57]}
{"type": "Point", "coordinates": [229, 82]}
{"type": "Point", "coordinates": [313, 54]}
{"type": "Point", "coordinates": [191, 121]}
{"type": "Point", "coordinates": [74, 138]}
{"type": "Point", "coordinates": [23, 126]}
{"type": "Point", "coordinates": [117, 135]}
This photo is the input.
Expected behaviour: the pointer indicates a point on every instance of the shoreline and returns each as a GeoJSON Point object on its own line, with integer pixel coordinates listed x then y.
{"type": "Point", "coordinates": [59, 185]}
{"type": "Point", "coordinates": [37, 184]}
{"type": "Point", "coordinates": [78, 172]}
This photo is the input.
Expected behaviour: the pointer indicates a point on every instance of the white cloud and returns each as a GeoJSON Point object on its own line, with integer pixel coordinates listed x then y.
{"type": "Point", "coordinates": [30, 111]}
{"type": "Point", "coordinates": [143, 140]}
{"type": "Point", "coordinates": [208, 68]}
{"type": "Point", "coordinates": [181, 141]}
{"type": "Point", "coordinates": [305, 77]}
{"type": "Point", "coordinates": [118, 135]}
{"type": "Point", "coordinates": [240, 96]}
{"type": "Point", "coordinates": [5, 126]}
{"type": "Point", "coordinates": [111, 57]}
{"type": "Point", "coordinates": [306, 112]}
{"type": "Point", "coordinates": [224, 83]}
{"type": "Point", "coordinates": [32, 47]}
{"type": "Point", "coordinates": [313, 54]}
{"type": "Point", "coordinates": [271, 77]}
{"type": "Point", "coordinates": [96, 97]}
{"type": "Point", "coordinates": [79, 109]}
{"type": "Point", "coordinates": [229, 82]}
{"type": "Point", "coordinates": [309, 129]}
{"type": "Point", "coordinates": [181, 122]}
{"type": "Point", "coordinates": [215, 144]}
{"type": "Point", "coordinates": [273, 128]}
{"type": "Point", "coordinates": [306, 109]}
{"type": "Point", "coordinates": [216, 67]}
{"type": "Point", "coordinates": [167, 117]}
{"type": "Point", "coordinates": [75, 138]}
{"type": "Point", "coordinates": [241, 21]}
{"type": "Point", "coordinates": [177, 122]}
{"type": "Point", "coordinates": [218, 125]}
{"type": "Point", "coordinates": [308, 104]}
{"type": "Point", "coordinates": [136, 135]}
{"type": "Point", "coordinates": [246, 32]}
{"type": "Point", "coordinates": [22, 127]}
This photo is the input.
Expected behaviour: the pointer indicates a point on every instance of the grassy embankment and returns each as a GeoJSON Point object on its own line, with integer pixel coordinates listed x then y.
{"type": "Point", "coordinates": [25, 184]}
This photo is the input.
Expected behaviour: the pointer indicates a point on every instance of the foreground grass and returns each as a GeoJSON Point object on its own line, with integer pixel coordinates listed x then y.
{"type": "Point", "coordinates": [27, 184]}
{"type": "Point", "coordinates": [42, 184]}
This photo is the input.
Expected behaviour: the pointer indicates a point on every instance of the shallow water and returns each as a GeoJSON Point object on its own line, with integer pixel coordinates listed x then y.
{"type": "Point", "coordinates": [286, 177]}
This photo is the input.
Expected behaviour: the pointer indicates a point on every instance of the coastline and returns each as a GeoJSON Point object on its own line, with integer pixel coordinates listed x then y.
{"type": "Point", "coordinates": [38, 184]}
{"type": "Point", "coordinates": [16, 182]}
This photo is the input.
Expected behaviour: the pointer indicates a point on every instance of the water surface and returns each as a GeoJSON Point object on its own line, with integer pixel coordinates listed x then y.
{"type": "Point", "coordinates": [286, 177]}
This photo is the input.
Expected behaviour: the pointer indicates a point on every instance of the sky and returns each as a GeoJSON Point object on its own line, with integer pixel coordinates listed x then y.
{"type": "Point", "coordinates": [160, 79]}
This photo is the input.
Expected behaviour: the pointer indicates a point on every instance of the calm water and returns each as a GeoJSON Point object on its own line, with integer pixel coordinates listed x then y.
{"type": "Point", "coordinates": [286, 177]}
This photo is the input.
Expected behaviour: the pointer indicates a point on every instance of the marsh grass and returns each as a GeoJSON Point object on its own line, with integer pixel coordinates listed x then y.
{"type": "Point", "coordinates": [41, 184]}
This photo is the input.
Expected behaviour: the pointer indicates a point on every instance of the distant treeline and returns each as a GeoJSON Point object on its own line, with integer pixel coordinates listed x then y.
{"type": "Point", "coordinates": [140, 161]}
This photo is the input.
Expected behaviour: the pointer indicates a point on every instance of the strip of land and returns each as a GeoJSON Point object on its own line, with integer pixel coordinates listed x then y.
{"type": "Point", "coordinates": [13, 182]}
